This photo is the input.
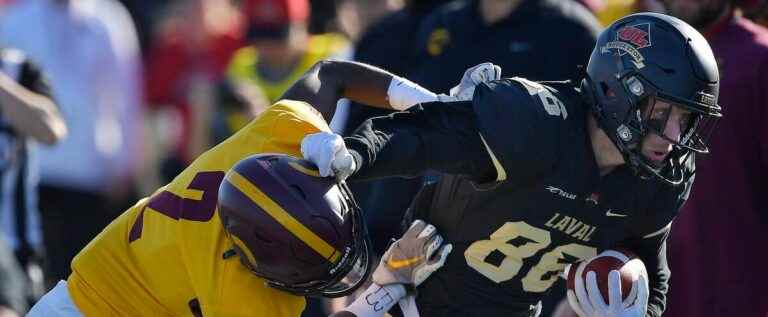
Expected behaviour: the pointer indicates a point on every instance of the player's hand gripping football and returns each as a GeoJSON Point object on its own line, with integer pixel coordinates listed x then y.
{"type": "Point", "coordinates": [588, 302]}
{"type": "Point", "coordinates": [412, 258]}
{"type": "Point", "coordinates": [474, 76]}
{"type": "Point", "coordinates": [328, 152]}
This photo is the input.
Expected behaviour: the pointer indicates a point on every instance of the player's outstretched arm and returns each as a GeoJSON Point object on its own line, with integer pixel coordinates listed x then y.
{"type": "Point", "coordinates": [406, 264]}
{"type": "Point", "coordinates": [328, 80]}
{"type": "Point", "coordinates": [436, 136]}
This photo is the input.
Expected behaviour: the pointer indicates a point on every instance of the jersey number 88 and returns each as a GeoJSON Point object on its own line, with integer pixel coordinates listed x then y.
{"type": "Point", "coordinates": [529, 241]}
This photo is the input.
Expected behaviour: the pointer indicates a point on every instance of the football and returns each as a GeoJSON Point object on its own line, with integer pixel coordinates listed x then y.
{"type": "Point", "coordinates": [627, 263]}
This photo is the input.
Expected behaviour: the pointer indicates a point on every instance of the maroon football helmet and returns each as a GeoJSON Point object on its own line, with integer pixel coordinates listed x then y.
{"type": "Point", "coordinates": [302, 233]}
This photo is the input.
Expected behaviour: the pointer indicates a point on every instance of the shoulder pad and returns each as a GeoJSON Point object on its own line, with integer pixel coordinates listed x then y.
{"type": "Point", "coordinates": [521, 122]}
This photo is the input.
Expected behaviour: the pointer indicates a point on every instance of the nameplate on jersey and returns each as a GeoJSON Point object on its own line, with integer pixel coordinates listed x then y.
{"type": "Point", "coordinates": [571, 226]}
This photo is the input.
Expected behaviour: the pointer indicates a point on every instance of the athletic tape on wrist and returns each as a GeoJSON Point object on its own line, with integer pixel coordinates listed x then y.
{"type": "Point", "coordinates": [403, 93]}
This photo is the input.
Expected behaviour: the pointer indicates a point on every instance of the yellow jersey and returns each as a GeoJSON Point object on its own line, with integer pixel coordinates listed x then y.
{"type": "Point", "coordinates": [163, 256]}
{"type": "Point", "coordinates": [242, 68]}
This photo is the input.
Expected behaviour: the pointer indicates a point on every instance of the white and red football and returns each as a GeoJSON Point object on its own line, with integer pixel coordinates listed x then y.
{"type": "Point", "coordinates": [627, 263]}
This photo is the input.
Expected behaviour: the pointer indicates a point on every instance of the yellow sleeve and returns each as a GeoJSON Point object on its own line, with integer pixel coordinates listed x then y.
{"type": "Point", "coordinates": [241, 293]}
{"type": "Point", "coordinates": [279, 129]}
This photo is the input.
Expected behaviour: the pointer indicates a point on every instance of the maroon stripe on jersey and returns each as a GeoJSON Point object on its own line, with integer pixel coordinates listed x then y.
{"type": "Point", "coordinates": [176, 207]}
{"type": "Point", "coordinates": [137, 227]}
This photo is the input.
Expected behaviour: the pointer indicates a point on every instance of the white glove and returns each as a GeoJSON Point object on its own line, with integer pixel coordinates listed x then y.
{"type": "Point", "coordinates": [328, 152]}
{"type": "Point", "coordinates": [588, 302]}
{"type": "Point", "coordinates": [412, 258]}
{"type": "Point", "coordinates": [474, 76]}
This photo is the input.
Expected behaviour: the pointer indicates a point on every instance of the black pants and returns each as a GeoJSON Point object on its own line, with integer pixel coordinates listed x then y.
{"type": "Point", "coordinates": [70, 220]}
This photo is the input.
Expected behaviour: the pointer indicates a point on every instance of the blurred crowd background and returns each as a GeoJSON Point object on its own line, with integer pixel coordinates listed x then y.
{"type": "Point", "coordinates": [104, 101]}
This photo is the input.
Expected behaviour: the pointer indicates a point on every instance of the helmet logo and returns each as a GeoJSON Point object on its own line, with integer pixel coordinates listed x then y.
{"type": "Point", "coordinates": [706, 98]}
{"type": "Point", "coordinates": [438, 40]}
{"type": "Point", "coordinates": [635, 86]}
{"type": "Point", "coordinates": [337, 265]}
{"type": "Point", "coordinates": [624, 133]}
{"type": "Point", "coordinates": [629, 39]}
{"type": "Point", "coordinates": [637, 35]}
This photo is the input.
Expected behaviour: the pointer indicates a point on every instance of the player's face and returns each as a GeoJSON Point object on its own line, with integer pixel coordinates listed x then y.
{"type": "Point", "coordinates": [667, 123]}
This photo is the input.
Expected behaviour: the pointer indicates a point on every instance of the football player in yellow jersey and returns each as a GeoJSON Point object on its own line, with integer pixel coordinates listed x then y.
{"type": "Point", "coordinates": [295, 233]}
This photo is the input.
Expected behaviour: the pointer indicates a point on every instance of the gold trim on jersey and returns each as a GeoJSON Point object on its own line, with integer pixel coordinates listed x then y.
{"type": "Point", "coordinates": [501, 174]}
{"type": "Point", "coordinates": [283, 217]}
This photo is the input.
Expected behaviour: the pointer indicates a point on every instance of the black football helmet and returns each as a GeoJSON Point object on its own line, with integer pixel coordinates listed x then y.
{"type": "Point", "coordinates": [644, 57]}
{"type": "Point", "coordinates": [302, 233]}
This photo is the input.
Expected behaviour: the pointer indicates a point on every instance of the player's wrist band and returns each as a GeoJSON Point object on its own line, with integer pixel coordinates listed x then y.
{"type": "Point", "coordinates": [403, 93]}
{"type": "Point", "coordinates": [376, 300]}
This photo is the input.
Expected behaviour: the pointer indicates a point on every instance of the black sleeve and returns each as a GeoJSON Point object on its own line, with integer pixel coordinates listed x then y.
{"type": "Point", "coordinates": [650, 242]}
{"type": "Point", "coordinates": [653, 252]}
{"type": "Point", "coordinates": [438, 136]}
{"type": "Point", "coordinates": [420, 205]}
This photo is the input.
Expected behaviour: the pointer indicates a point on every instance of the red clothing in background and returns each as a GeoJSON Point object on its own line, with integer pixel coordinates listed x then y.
{"type": "Point", "coordinates": [719, 243]}
{"type": "Point", "coordinates": [174, 62]}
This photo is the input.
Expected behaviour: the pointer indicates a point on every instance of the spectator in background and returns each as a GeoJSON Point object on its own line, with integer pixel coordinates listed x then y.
{"type": "Point", "coordinates": [542, 40]}
{"type": "Point", "coordinates": [144, 13]}
{"type": "Point", "coordinates": [718, 237]}
{"type": "Point", "coordinates": [755, 10]}
{"type": "Point", "coordinates": [90, 52]}
{"type": "Point", "coordinates": [192, 46]}
{"type": "Point", "coordinates": [27, 115]}
{"type": "Point", "coordinates": [237, 104]}
{"type": "Point", "coordinates": [323, 17]}
{"type": "Point", "coordinates": [13, 287]}
{"type": "Point", "coordinates": [354, 17]}
{"type": "Point", "coordinates": [281, 48]}
{"type": "Point", "coordinates": [612, 10]}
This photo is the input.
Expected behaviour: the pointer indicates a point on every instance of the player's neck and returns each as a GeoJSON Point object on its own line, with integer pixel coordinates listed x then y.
{"type": "Point", "coordinates": [607, 155]}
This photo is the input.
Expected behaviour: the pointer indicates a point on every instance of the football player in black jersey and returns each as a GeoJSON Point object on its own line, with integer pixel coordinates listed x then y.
{"type": "Point", "coordinates": [549, 172]}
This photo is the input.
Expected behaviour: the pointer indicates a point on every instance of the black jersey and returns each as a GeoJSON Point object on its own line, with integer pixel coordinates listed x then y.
{"type": "Point", "coordinates": [544, 204]}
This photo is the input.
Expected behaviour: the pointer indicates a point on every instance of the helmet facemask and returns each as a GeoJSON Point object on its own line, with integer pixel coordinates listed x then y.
{"type": "Point", "coordinates": [643, 59]}
{"type": "Point", "coordinates": [643, 119]}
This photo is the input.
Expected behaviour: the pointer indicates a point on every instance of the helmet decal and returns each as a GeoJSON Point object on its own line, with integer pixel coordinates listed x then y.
{"type": "Point", "coordinates": [638, 35]}
{"type": "Point", "coordinates": [283, 217]}
{"type": "Point", "coordinates": [624, 132]}
{"type": "Point", "coordinates": [311, 171]}
{"type": "Point", "coordinates": [629, 40]}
